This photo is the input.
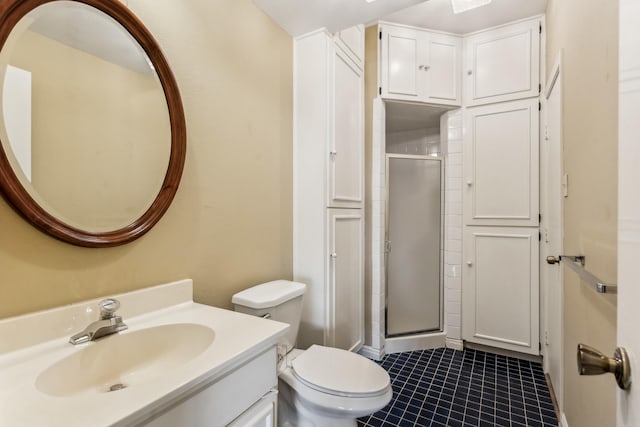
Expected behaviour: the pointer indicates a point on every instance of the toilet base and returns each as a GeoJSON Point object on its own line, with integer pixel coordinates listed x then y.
{"type": "Point", "coordinates": [293, 413]}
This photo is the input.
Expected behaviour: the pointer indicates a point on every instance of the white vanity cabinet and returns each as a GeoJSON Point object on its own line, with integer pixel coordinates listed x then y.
{"type": "Point", "coordinates": [503, 64]}
{"type": "Point", "coordinates": [419, 66]}
{"type": "Point", "coordinates": [245, 397]}
{"type": "Point", "coordinates": [328, 196]}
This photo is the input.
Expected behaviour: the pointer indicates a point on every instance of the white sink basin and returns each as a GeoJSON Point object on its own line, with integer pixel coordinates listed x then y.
{"type": "Point", "coordinates": [124, 360]}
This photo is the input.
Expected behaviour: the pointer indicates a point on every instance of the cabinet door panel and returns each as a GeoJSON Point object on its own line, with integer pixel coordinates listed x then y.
{"type": "Point", "coordinates": [503, 64]}
{"type": "Point", "coordinates": [346, 279]}
{"type": "Point", "coordinates": [500, 288]}
{"type": "Point", "coordinates": [346, 155]}
{"type": "Point", "coordinates": [443, 73]}
{"type": "Point", "coordinates": [501, 164]}
{"type": "Point", "coordinates": [400, 58]}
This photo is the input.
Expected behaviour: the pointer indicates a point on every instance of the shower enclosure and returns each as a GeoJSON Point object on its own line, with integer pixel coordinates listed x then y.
{"type": "Point", "coordinates": [414, 235]}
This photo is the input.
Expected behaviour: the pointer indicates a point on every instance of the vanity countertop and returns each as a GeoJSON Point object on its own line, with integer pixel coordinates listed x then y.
{"type": "Point", "coordinates": [32, 343]}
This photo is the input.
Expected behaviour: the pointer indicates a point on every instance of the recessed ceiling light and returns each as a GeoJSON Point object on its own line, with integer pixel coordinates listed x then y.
{"type": "Point", "coordinates": [370, 1]}
{"type": "Point", "coordinates": [460, 6]}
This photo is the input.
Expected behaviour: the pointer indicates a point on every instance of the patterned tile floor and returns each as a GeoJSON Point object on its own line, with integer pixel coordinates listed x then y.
{"type": "Point", "coordinates": [450, 388]}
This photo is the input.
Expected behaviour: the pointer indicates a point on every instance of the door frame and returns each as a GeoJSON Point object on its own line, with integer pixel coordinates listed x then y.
{"type": "Point", "coordinates": [552, 321]}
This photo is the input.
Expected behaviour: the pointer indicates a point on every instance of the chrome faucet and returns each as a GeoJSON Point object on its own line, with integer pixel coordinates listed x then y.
{"type": "Point", "coordinates": [108, 324]}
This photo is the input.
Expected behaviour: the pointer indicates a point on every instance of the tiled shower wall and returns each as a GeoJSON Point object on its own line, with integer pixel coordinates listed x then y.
{"type": "Point", "coordinates": [451, 135]}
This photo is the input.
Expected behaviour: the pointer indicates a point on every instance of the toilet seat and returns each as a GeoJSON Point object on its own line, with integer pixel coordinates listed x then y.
{"type": "Point", "coordinates": [340, 373]}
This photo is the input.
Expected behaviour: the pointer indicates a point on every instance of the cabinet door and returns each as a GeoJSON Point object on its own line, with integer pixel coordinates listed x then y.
{"type": "Point", "coordinates": [345, 290]}
{"type": "Point", "coordinates": [503, 64]}
{"type": "Point", "coordinates": [441, 70]}
{"type": "Point", "coordinates": [261, 414]}
{"type": "Point", "coordinates": [500, 288]}
{"type": "Point", "coordinates": [401, 61]}
{"type": "Point", "coordinates": [346, 154]}
{"type": "Point", "coordinates": [500, 163]}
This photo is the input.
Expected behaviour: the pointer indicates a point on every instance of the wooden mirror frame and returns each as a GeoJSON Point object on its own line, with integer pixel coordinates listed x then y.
{"type": "Point", "coordinates": [11, 11]}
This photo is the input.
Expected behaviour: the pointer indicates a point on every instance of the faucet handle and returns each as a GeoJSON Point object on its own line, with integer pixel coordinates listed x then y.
{"type": "Point", "coordinates": [108, 308]}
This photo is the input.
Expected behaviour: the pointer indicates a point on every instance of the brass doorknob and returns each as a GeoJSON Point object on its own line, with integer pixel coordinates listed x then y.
{"type": "Point", "coordinates": [593, 362]}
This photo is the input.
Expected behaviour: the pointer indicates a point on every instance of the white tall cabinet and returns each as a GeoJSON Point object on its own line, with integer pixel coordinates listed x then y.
{"type": "Point", "coordinates": [328, 249]}
{"type": "Point", "coordinates": [500, 271]}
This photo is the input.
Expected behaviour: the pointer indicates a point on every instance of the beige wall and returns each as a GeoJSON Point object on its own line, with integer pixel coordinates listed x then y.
{"type": "Point", "coordinates": [370, 93]}
{"type": "Point", "coordinates": [230, 225]}
{"type": "Point", "coordinates": [587, 33]}
{"type": "Point", "coordinates": [86, 112]}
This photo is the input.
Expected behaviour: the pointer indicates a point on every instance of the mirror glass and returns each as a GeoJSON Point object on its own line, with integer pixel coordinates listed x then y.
{"type": "Point", "coordinates": [84, 121]}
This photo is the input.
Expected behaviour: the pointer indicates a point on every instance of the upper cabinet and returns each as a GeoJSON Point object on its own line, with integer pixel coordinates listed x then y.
{"type": "Point", "coordinates": [503, 64]}
{"type": "Point", "coordinates": [346, 151]}
{"type": "Point", "coordinates": [420, 66]}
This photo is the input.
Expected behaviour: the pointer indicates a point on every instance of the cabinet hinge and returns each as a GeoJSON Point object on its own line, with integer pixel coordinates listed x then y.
{"type": "Point", "coordinates": [539, 106]}
{"type": "Point", "coordinates": [380, 35]}
{"type": "Point", "coordinates": [539, 87]}
{"type": "Point", "coordinates": [539, 346]}
{"type": "Point", "coordinates": [540, 28]}
{"type": "Point", "coordinates": [539, 236]}
{"type": "Point", "coordinates": [539, 217]}
{"type": "Point", "coordinates": [380, 91]}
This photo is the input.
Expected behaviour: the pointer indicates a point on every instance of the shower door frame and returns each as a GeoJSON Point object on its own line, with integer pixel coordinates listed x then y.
{"type": "Point", "coordinates": [387, 242]}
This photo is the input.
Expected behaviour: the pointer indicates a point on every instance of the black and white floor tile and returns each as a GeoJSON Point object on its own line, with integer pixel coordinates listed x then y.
{"type": "Point", "coordinates": [449, 388]}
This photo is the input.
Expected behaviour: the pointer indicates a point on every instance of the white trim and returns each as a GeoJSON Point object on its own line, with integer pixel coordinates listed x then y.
{"type": "Point", "coordinates": [563, 421]}
{"type": "Point", "coordinates": [372, 353]}
{"type": "Point", "coordinates": [426, 341]}
{"type": "Point", "coordinates": [454, 344]}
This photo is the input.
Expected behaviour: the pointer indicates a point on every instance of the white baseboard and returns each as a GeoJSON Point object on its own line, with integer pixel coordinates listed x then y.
{"type": "Point", "coordinates": [563, 421]}
{"type": "Point", "coordinates": [415, 342]}
{"type": "Point", "coordinates": [371, 353]}
{"type": "Point", "coordinates": [455, 344]}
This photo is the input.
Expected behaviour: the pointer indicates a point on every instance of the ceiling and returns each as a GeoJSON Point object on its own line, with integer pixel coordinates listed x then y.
{"type": "Point", "coordinates": [298, 17]}
{"type": "Point", "coordinates": [302, 16]}
{"type": "Point", "coordinates": [438, 15]}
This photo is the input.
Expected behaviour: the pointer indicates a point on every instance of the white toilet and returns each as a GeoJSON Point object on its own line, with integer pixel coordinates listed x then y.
{"type": "Point", "coordinates": [320, 386]}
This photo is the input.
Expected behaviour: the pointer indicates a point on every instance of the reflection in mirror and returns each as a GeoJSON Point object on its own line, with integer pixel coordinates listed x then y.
{"type": "Point", "coordinates": [85, 123]}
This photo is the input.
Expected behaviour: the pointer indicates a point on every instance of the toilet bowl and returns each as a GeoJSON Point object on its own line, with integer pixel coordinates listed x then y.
{"type": "Point", "coordinates": [321, 386]}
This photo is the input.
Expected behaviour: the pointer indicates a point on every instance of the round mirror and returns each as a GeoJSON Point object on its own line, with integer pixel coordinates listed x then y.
{"type": "Point", "coordinates": [92, 133]}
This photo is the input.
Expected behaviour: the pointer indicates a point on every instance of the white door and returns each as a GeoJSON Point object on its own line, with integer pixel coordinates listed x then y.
{"type": "Point", "coordinates": [551, 228]}
{"type": "Point", "coordinates": [500, 288]}
{"type": "Point", "coordinates": [346, 155]}
{"type": "Point", "coordinates": [400, 58]}
{"type": "Point", "coordinates": [441, 71]}
{"type": "Point", "coordinates": [503, 64]}
{"type": "Point", "coordinates": [345, 290]}
{"type": "Point", "coordinates": [628, 402]}
{"type": "Point", "coordinates": [500, 158]}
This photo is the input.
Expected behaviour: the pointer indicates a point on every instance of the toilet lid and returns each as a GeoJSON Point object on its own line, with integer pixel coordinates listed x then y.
{"type": "Point", "coordinates": [340, 372]}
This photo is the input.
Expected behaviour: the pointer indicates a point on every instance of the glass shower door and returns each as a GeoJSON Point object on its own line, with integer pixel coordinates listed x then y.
{"type": "Point", "coordinates": [414, 235]}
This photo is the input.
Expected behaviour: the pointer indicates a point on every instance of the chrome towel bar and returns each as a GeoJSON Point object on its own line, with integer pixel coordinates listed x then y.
{"type": "Point", "coordinates": [576, 263]}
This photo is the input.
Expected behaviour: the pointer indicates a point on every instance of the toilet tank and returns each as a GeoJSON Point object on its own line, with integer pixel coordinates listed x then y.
{"type": "Point", "coordinates": [279, 300]}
